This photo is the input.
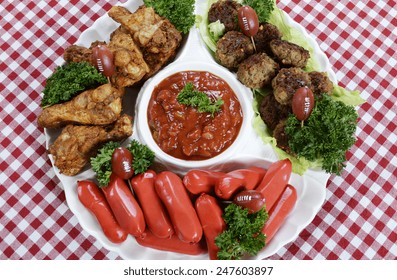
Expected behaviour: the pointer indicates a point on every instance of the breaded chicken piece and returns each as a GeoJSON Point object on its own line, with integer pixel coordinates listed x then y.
{"type": "Point", "coordinates": [287, 81]}
{"type": "Point", "coordinates": [128, 60]}
{"type": "Point", "coordinates": [130, 66]}
{"type": "Point", "coordinates": [289, 54]}
{"type": "Point", "coordinates": [156, 36]}
{"type": "Point", "coordinates": [73, 148]}
{"type": "Point", "coordinates": [100, 106]}
{"type": "Point", "coordinates": [75, 53]}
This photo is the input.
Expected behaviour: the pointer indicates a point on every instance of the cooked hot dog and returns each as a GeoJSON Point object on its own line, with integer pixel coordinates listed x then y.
{"type": "Point", "coordinates": [237, 180]}
{"type": "Point", "coordinates": [201, 181]}
{"type": "Point", "coordinates": [156, 216]}
{"type": "Point", "coordinates": [173, 194]}
{"type": "Point", "coordinates": [172, 244]}
{"type": "Point", "coordinates": [94, 200]}
{"type": "Point", "coordinates": [126, 209]}
{"type": "Point", "coordinates": [210, 215]}
{"type": "Point", "coordinates": [279, 212]}
{"type": "Point", "coordinates": [274, 181]}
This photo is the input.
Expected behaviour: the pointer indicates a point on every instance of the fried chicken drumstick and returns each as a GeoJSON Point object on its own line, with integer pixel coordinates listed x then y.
{"type": "Point", "coordinates": [73, 148]}
{"type": "Point", "coordinates": [100, 106]}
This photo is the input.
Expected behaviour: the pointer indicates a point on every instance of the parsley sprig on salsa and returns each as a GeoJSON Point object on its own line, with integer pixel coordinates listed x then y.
{"type": "Point", "coordinates": [192, 97]}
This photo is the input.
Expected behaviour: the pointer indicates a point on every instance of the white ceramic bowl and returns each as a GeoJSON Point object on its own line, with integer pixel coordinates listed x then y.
{"type": "Point", "coordinates": [179, 165]}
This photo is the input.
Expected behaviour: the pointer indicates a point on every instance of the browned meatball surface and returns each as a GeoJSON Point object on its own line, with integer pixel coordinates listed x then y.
{"type": "Point", "coordinates": [320, 83]}
{"type": "Point", "coordinates": [281, 137]}
{"type": "Point", "coordinates": [266, 33]}
{"type": "Point", "coordinates": [233, 48]}
{"type": "Point", "coordinates": [289, 54]}
{"type": "Point", "coordinates": [273, 112]}
{"type": "Point", "coordinates": [287, 81]}
{"type": "Point", "coordinates": [226, 12]}
{"type": "Point", "coordinates": [257, 71]}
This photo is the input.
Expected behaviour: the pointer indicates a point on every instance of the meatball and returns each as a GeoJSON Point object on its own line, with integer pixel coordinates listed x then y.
{"type": "Point", "coordinates": [266, 33]}
{"type": "Point", "coordinates": [257, 71]}
{"type": "Point", "coordinates": [233, 48]}
{"type": "Point", "coordinates": [287, 81]}
{"type": "Point", "coordinates": [289, 54]}
{"type": "Point", "coordinates": [273, 112]}
{"type": "Point", "coordinates": [320, 83]}
{"type": "Point", "coordinates": [226, 12]}
{"type": "Point", "coordinates": [281, 137]}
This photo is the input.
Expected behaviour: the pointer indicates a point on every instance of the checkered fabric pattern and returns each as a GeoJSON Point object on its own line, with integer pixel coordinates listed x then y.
{"type": "Point", "coordinates": [358, 219]}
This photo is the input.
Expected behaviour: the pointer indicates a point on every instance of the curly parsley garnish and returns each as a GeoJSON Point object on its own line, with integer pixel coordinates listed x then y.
{"type": "Point", "coordinates": [68, 80]}
{"type": "Point", "coordinates": [142, 159]}
{"type": "Point", "coordinates": [243, 234]}
{"type": "Point", "coordinates": [190, 96]}
{"type": "Point", "coordinates": [143, 156]}
{"type": "Point", "coordinates": [263, 8]}
{"type": "Point", "coordinates": [179, 12]}
{"type": "Point", "coordinates": [326, 135]}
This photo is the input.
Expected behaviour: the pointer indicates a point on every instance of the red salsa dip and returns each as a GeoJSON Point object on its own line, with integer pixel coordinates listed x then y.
{"type": "Point", "coordinates": [183, 132]}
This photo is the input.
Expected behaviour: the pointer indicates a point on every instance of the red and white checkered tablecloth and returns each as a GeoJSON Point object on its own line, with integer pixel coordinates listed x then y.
{"type": "Point", "coordinates": [359, 217]}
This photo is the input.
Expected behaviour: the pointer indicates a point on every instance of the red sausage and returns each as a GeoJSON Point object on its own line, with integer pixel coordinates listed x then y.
{"type": "Point", "coordinates": [279, 212]}
{"type": "Point", "coordinates": [173, 194]}
{"type": "Point", "coordinates": [172, 244]}
{"type": "Point", "coordinates": [156, 216]}
{"type": "Point", "coordinates": [274, 181]}
{"type": "Point", "coordinates": [126, 209]}
{"type": "Point", "coordinates": [201, 181]}
{"type": "Point", "coordinates": [210, 215]}
{"type": "Point", "coordinates": [94, 200]}
{"type": "Point", "coordinates": [237, 180]}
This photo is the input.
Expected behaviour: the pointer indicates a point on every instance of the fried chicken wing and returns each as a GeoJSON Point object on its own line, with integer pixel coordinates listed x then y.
{"type": "Point", "coordinates": [75, 53]}
{"type": "Point", "coordinates": [100, 106]}
{"type": "Point", "coordinates": [73, 148]}
{"type": "Point", "coordinates": [128, 60]}
{"type": "Point", "coordinates": [156, 36]}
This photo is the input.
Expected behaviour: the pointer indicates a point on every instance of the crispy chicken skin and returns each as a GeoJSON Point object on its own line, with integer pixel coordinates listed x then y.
{"type": "Point", "coordinates": [128, 60]}
{"type": "Point", "coordinates": [100, 106]}
{"type": "Point", "coordinates": [75, 53]}
{"type": "Point", "coordinates": [73, 148]}
{"type": "Point", "coordinates": [157, 38]}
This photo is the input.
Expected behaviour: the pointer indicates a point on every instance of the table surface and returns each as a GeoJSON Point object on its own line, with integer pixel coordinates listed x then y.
{"type": "Point", "coordinates": [358, 219]}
